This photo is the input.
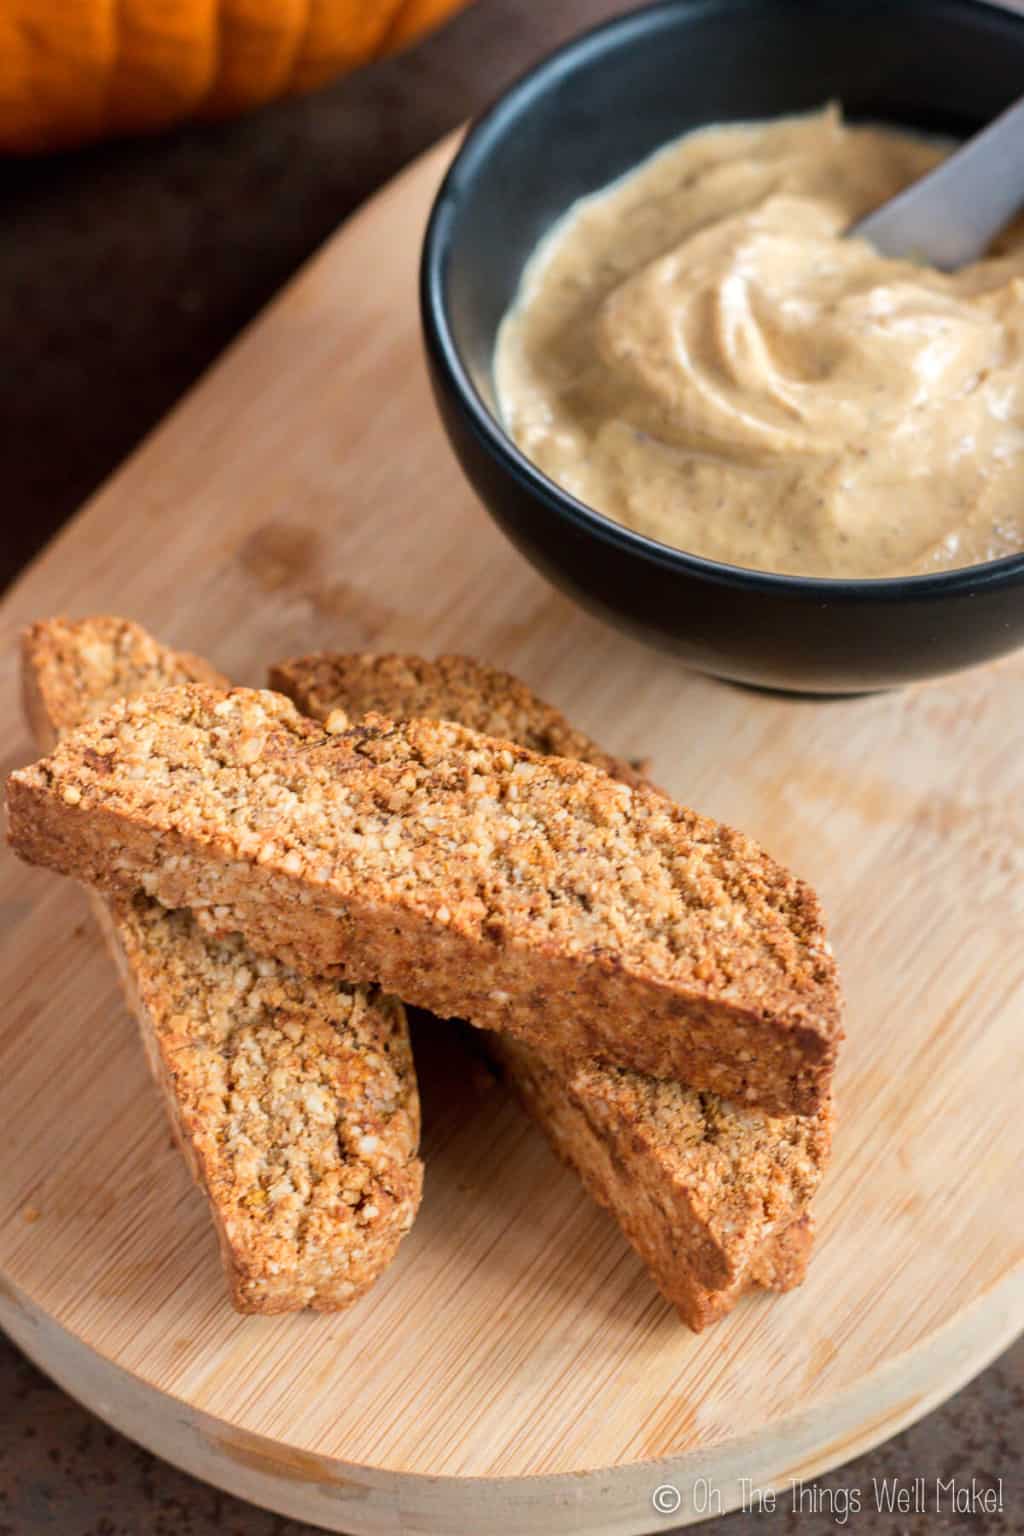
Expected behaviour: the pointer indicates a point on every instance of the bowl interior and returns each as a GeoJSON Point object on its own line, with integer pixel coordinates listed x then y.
{"type": "Point", "coordinates": [611, 98]}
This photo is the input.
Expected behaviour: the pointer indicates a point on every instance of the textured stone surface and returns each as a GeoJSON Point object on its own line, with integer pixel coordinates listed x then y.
{"type": "Point", "coordinates": [125, 271]}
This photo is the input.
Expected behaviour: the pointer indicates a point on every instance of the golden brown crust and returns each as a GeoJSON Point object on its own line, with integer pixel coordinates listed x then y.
{"type": "Point", "coordinates": [469, 876]}
{"type": "Point", "coordinates": [781, 1265]}
{"type": "Point", "coordinates": [709, 1195]}
{"type": "Point", "coordinates": [451, 688]}
{"type": "Point", "coordinates": [293, 1101]}
{"type": "Point", "coordinates": [74, 669]}
{"type": "Point", "coordinates": [706, 1194]}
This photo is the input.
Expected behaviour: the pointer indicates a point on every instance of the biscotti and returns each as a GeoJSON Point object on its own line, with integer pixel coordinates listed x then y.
{"type": "Point", "coordinates": [74, 669]}
{"type": "Point", "coordinates": [450, 688]}
{"type": "Point", "coordinates": [707, 1194]}
{"type": "Point", "coordinates": [294, 1101]}
{"type": "Point", "coordinates": [470, 877]}
{"type": "Point", "coordinates": [713, 1198]}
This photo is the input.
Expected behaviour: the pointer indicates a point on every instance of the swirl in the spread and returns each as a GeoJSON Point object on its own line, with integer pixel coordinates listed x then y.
{"type": "Point", "coordinates": [699, 353]}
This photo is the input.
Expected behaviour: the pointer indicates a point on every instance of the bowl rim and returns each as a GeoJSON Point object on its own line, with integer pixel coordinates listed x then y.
{"type": "Point", "coordinates": [470, 163]}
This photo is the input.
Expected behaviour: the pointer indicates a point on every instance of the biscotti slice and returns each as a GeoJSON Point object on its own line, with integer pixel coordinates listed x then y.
{"type": "Point", "coordinates": [450, 688]}
{"type": "Point", "coordinates": [294, 1101]}
{"type": "Point", "coordinates": [74, 669]}
{"type": "Point", "coordinates": [710, 1196]}
{"type": "Point", "coordinates": [470, 877]}
{"type": "Point", "coordinates": [707, 1194]}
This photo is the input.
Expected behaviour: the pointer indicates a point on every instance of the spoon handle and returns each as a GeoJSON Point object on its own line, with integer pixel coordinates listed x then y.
{"type": "Point", "coordinates": [951, 216]}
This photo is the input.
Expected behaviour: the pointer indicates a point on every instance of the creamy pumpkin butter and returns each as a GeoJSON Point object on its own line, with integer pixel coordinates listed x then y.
{"type": "Point", "coordinates": [699, 353]}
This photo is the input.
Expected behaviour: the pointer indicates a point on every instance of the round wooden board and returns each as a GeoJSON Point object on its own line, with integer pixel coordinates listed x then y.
{"type": "Point", "coordinates": [515, 1368]}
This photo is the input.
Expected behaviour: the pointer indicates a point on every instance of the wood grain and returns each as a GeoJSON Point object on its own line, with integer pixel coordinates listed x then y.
{"type": "Point", "coordinates": [516, 1362]}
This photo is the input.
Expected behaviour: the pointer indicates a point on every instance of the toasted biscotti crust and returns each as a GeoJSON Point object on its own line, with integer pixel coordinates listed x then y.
{"type": "Point", "coordinates": [74, 669]}
{"type": "Point", "coordinates": [710, 1195]}
{"type": "Point", "coordinates": [528, 894]}
{"type": "Point", "coordinates": [781, 1264]}
{"type": "Point", "coordinates": [294, 1102]}
{"type": "Point", "coordinates": [451, 688]}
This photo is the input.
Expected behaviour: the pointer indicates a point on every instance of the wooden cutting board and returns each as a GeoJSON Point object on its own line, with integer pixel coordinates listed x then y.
{"type": "Point", "coordinates": [515, 1369]}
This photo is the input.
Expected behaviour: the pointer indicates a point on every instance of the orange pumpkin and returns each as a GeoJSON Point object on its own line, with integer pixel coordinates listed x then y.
{"type": "Point", "coordinates": [76, 70]}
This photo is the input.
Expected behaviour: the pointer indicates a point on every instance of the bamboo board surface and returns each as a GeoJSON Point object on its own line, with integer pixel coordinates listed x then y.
{"type": "Point", "coordinates": [515, 1368]}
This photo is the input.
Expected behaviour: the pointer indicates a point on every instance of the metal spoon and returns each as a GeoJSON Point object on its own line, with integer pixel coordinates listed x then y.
{"type": "Point", "coordinates": [951, 216]}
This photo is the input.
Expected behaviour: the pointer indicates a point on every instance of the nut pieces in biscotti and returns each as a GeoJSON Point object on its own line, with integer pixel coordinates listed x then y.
{"type": "Point", "coordinates": [473, 878]}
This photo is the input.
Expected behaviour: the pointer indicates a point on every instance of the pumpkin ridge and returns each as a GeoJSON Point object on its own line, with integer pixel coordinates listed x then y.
{"type": "Point", "coordinates": [74, 71]}
{"type": "Point", "coordinates": [341, 35]}
{"type": "Point", "coordinates": [259, 41]}
{"type": "Point", "coordinates": [163, 69]}
{"type": "Point", "coordinates": [415, 17]}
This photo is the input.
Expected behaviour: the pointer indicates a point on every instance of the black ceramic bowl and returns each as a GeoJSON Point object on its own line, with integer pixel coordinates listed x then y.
{"type": "Point", "coordinates": [586, 115]}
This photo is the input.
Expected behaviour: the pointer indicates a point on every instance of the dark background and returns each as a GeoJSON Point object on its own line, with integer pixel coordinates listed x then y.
{"type": "Point", "coordinates": [124, 272]}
